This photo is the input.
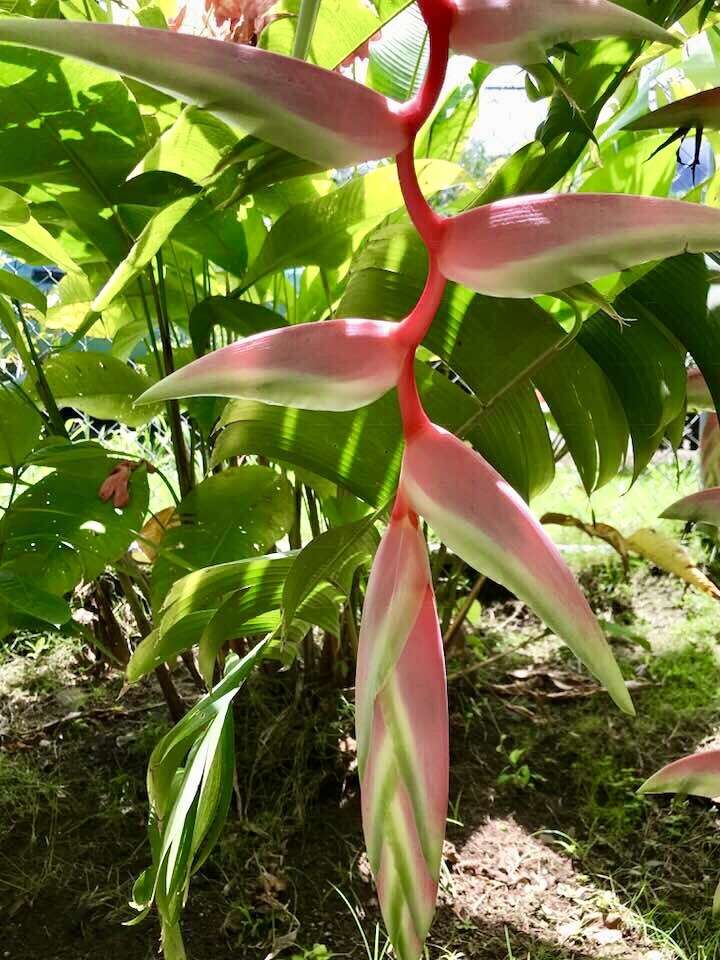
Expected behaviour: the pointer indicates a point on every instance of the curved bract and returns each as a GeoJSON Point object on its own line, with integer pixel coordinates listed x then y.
{"type": "Point", "coordinates": [402, 734]}
{"type": "Point", "coordinates": [337, 365]}
{"type": "Point", "coordinates": [701, 507]}
{"type": "Point", "coordinates": [527, 246]}
{"type": "Point", "coordinates": [698, 774]}
{"type": "Point", "coordinates": [522, 31]}
{"type": "Point", "coordinates": [481, 518]}
{"type": "Point", "coordinates": [699, 110]}
{"type": "Point", "coordinates": [314, 113]}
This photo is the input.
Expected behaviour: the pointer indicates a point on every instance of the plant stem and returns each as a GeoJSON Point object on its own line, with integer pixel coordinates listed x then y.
{"type": "Point", "coordinates": [413, 415]}
{"type": "Point", "coordinates": [43, 387]}
{"type": "Point", "coordinates": [454, 628]}
{"type": "Point", "coordinates": [305, 28]}
{"type": "Point", "coordinates": [182, 460]}
{"type": "Point", "coordinates": [415, 326]}
{"type": "Point", "coordinates": [174, 701]}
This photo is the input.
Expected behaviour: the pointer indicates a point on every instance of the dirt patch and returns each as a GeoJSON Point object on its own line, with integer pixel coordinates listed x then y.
{"type": "Point", "coordinates": [551, 856]}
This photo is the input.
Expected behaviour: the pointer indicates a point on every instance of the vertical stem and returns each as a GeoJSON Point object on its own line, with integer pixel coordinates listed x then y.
{"type": "Point", "coordinates": [413, 415]}
{"type": "Point", "coordinates": [305, 28]}
{"type": "Point", "coordinates": [174, 701]}
{"type": "Point", "coordinates": [427, 223]}
{"type": "Point", "coordinates": [46, 394]}
{"type": "Point", "coordinates": [182, 460]}
{"type": "Point", "coordinates": [417, 323]}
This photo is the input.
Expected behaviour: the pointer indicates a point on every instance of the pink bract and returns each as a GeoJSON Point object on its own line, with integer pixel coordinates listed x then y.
{"type": "Point", "coordinates": [698, 774]}
{"type": "Point", "coordinates": [522, 31]}
{"type": "Point", "coordinates": [289, 103]}
{"type": "Point", "coordinates": [336, 365]}
{"type": "Point", "coordinates": [531, 245]}
{"type": "Point", "coordinates": [402, 733]}
{"type": "Point", "coordinates": [481, 518]}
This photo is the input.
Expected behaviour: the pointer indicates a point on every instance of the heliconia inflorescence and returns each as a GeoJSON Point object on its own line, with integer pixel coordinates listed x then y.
{"type": "Point", "coordinates": [519, 247]}
{"type": "Point", "coordinates": [522, 31]}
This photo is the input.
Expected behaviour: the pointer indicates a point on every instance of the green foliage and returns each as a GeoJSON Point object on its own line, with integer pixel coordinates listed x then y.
{"type": "Point", "coordinates": [178, 236]}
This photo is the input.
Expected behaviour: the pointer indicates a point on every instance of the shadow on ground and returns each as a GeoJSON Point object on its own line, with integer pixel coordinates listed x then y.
{"type": "Point", "coordinates": [550, 853]}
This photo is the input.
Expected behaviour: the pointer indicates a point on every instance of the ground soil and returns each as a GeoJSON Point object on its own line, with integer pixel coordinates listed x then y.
{"type": "Point", "coordinates": [550, 854]}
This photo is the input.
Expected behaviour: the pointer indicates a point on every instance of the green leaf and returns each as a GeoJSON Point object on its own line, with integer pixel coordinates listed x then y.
{"type": "Point", "coordinates": [676, 293]}
{"type": "Point", "coordinates": [193, 147]}
{"type": "Point", "coordinates": [190, 779]}
{"type": "Point", "coordinates": [398, 60]}
{"type": "Point", "coordinates": [65, 530]}
{"type": "Point", "coordinates": [588, 413]}
{"type": "Point", "coordinates": [240, 615]}
{"type": "Point", "coordinates": [324, 231]}
{"type": "Point", "coordinates": [153, 236]}
{"type": "Point", "coordinates": [22, 594]}
{"type": "Point", "coordinates": [17, 288]}
{"type": "Point", "coordinates": [20, 427]}
{"type": "Point", "coordinates": [342, 26]}
{"type": "Point", "coordinates": [237, 513]}
{"type": "Point", "coordinates": [33, 235]}
{"type": "Point", "coordinates": [646, 369]}
{"type": "Point", "coordinates": [447, 133]}
{"type": "Point", "coordinates": [72, 456]}
{"type": "Point", "coordinates": [331, 557]}
{"type": "Point", "coordinates": [241, 318]}
{"type": "Point", "coordinates": [99, 385]}
{"type": "Point", "coordinates": [156, 188]}
{"type": "Point", "coordinates": [13, 209]}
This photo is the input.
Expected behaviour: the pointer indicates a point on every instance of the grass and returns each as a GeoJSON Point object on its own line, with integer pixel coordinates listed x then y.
{"type": "Point", "coordinates": [562, 774]}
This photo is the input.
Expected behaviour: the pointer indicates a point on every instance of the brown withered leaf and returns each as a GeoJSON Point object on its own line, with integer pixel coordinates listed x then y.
{"type": "Point", "coordinates": [151, 535]}
{"type": "Point", "coordinates": [669, 554]}
{"type": "Point", "coordinates": [602, 531]}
